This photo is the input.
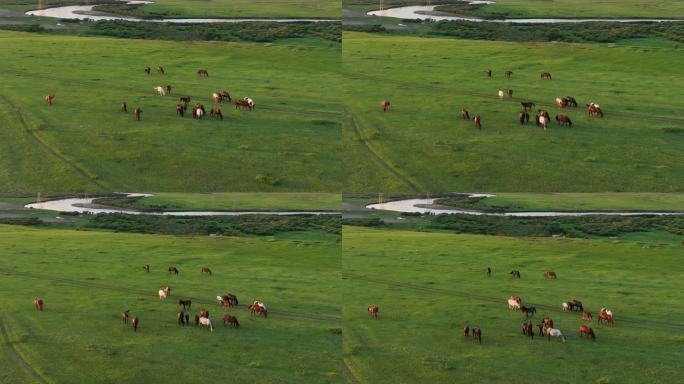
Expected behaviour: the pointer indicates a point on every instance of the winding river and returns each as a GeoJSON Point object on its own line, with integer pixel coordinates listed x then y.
{"type": "Point", "coordinates": [427, 12]}
{"type": "Point", "coordinates": [429, 206]}
{"type": "Point", "coordinates": [86, 205]}
{"type": "Point", "coordinates": [83, 12]}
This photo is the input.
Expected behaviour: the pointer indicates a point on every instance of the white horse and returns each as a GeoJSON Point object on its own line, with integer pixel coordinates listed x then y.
{"type": "Point", "coordinates": [199, 113]}
{"type": "Point", "coordinates": [566, 306]}
{"type": "Point", "coordinates": [204, 322]}
{"type": "Point", "coordinates": [559, 102]}
{"type": "Point", "coordinates": [219, 300]}
{"type": "Point", "coordinates": [249, 101]}
{"type": "Point", "coordinates": [501, 94]}
{"type": "Point", "coordinates": [216, 97]}
{"type": "Point", "coordinates": [553, 332]}
{"type": "Point", "coordinates": [160, 91]}
{"type": "Point", "coordinates": [544, 122]}
{"type": "Point", "coordinates": [594, 105]}
{"type": "Point", "coordinates": [162, 294]}
{"type": "Point", "coordinates": [512, 304]}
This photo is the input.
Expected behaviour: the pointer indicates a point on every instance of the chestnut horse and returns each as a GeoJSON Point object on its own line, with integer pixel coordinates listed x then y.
{"type": "Point", "coordinates": [135, 322]}
{"type": "Point", "coordinates": [180, 318]}
{"type": "Point", "coordinates": [138, 113]}
{"type": "Point", "coordinates": [124, 107]}
{"type": "Point", "coordinates": [373, 310]}
{"type": "Point", "coordinates": [545, 76]}
{"type": "Point", "coordinates": [228, 300]}
{"type": "Point", "coordinates": [466, 331]}
{"type": "Point", "coordinates": [216, 112]}
{"type": "Point", "coordinates": [594, 110]}
{"type": "Point", "coordinates": [180, 110]}
{"type": "Point", "coordinates": [562, 119]}
{"type": "Point", "coordinates": [477, 334]}
{"type": "Point", "coordinates": [587, 315]}
{"type": "Point", "coordinates": [586, 330]}
{"type": "Point", "coordinates": [49, 98]}
{"type": "Point", "coordinates": [258, 310]}
{"type": "Point", "coordinates": [243, 104]}
{"type": "Point", "coordinates": [478, 122]}
{"type": "Point", "coordinates": [608, 319]}
{"type": "Point", "coordinates": [232, 320]}
{"type": "Point", "coordinates": [38, 304]}
{"type": "Point", "coordinates": [206, 269]}
{"type": "Point", "coordinates": [527, 330]}
{"type": "Point", "coordinates": [550, 275]}
{"type": "Point", "coordinates": [385, 105]}
{"type": "Point", "coordinates": [124, 316]}
{"type": "Point", "coordinates": [168, 88]}
{"type": "Point", "coordinates": [465, 115]}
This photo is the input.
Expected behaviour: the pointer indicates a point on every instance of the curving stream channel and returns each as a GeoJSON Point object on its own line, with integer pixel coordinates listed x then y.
{"type": "Point", "coordinates": [427, 12]}
{"type": "Point", "coordinates": [86, 205]}
{"type": "Point", "coordinates": [429, 206]}
{"type": "Point", "coordinates": [83, 12]}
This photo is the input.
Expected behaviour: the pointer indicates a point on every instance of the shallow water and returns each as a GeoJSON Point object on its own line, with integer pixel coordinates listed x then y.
{"type": "Point", "coordinates": [428, 206]}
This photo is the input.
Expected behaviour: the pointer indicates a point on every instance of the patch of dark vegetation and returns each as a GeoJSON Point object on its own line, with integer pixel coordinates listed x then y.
{"type": "Point", "coordinates": [674, 130]}
{"type": "Point", "coordinates": [21, 221]}
{"type": "Point", "coordinates": [260, 225]}
{"type": "Point", "coordinates": [23, 27]}
{"type": "Point", "coordinates": [363, 222]}
{"type": "Point", "coordinates": [584, 226]}
{"type": "Point", "coordinates": [247, 31]}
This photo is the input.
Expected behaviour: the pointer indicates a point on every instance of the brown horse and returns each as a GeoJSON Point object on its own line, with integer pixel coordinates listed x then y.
{"type": "Point", "coordinates": [185, 303]}
{"type": "Point", "coordinates": [489, 73]}
{"type": "Point", "coordinates": [527, 105]}
{"type": "Point", "coordinates": [478, 122]}
{"type": "Point", "coordinates": [548, 322]}
{"type": "Point", "coordinates": [204, 313]}
{"type": "Point", "coordinates": [148, 70]}
{"type": "Point", "coordinates": [124, 107]}
{"type": "Point", "coordinates": [232, 320]}
{"type": "Point", "coordinates": [258, 310]}
{"type": "Point", "coordinates": [180, 318]}
{"type": "Point", "coordinates": [586, 315]}
{"type": "Point", "coordinates": [49, 98]}
{"type": "Point", "coordinates": [124, 316]}
{"type": "Point", "coordinates": [477, 334]}
{"type": "Point", "coordinates": [168, 88]}
{"type": "Point", "coordinates": [173, 270]}
{"type": "Point", "coordinates": [38, 304]}
{"type": "Point", "coordinates": [216, 112]}
{"type": "Point", "coordinates": [185, 100]}
{"type": "Point", "coordinates": [466, 331]}
{"type": "Point", "coordinates": [508, 74]}
{"type": "Point", "coordinates": [180, 110]}
{"type": "Point", "coordinates": [465, 115]}
{"type": "Point", "coordinates": [515, 273]}
{"type": "Point", "coordinates": [527, 330]}
{"type": "Point", "coordinates": [562, 119]}
{"type": "Point", "coordinates": [510, 93]}
{"type": "Point", "coordinates": [373, 310]}
{"type": "Point", "coordinates": [135, 322]}
{"type": "Point", "coordinates": [242, 104]}
{"type": "Point", "coordinates": [586, 330]}
{"type": "Point", "coordinates": [206, 270]}
{"type": "Point", "coordinates": [550, 275]}
{"type": "Point", "coordinates": [203, 72]}
{"type": "Point", "coordinates": [160, 70]}
{"type": "Point", "coordinates": [608, 319]}
{"type": "Point", "coordinates": [541, 329]}
{"type": "Point", "coordinates": [545, 76]}
{"type": "Point", "coordinates": [385, 105]}
{"type": "Point", "coordinates": [594, 110]}
{"type": "Point", "coordinates": [523, 117]}
{"type": "Point", "coordinates": [138, 113]}
{"type": "Point", "coordinates": [569, 100]}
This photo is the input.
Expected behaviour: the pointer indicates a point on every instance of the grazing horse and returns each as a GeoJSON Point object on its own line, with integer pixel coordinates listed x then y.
{"type": "Point", "coordinates": [528, 311]}
{"type": "Point", "coordinates": [586, 330]}
{"type": "Point", "coordinates": [385, 105]}
{"type": "Point", "coordinates": [548, 322]}
{"type": "Point", "coordinates": [576, 305]}
{"type": "Point", "coordinates": [527, 105]}
{"type": "Point", "coordinates": [124, 316]}
{"type": "Point", "coordinates": [134, 323]}
{"type": "Point", "coordinates": [466, 331]}
{"type": "Point", "coordinates": [478, 122]}
{"type": "Point", "coordinates": [550, 275]}
{"type": "Point", "coordinates": [607, 318]}
{"type": "Point", "coordinates": [560, 103]}
{"type": "Point", "coordinates": [515, 273]}
{"type": "Point", "coordinates": [168, 88]}
{"type": "Point", "coordinates": [180, 110]}
{"type": "Point", "coordinates": [510, 93]}
{"type": "Point", "coordinates": [203, 72]}
{"type": "Point", "coordinates": [38, 303]}
{"type": "Point", "coordinates": [232, 320]}
{"type": "Point", "coordinates": [489, 73]}
{"type": "Point", "coordinates": [544, 122]}
{"type": "Point", "coordinates": [562, 119]}
{"type": "Point", "coordinates": [204, 313]}
{"type": "Point", "coordinates": [228, 300]}
{"type": "Point", "coordinates": [255, 308]}
{"type": "Point", "coordinates": [594, 110]}
{"type": "Point", "coordinates": [523, 117]}
{"type": "Point", "coordinates": [545, 76]}
{"type": "Point", "coordinates": [508, 74]}
{"type": "Point", "coordinates": [160, 69]}
{"type": "Point", "coordinates": [553, 332]}
{"type": "Point", "coordinates": [148, 70]}
{"type": "Point", "coordinates": [373, 310]}
{"type": "Point", "coordinates": [242, 104]}
{"type": "Point", "coordinates": [138, 113]}
{"type": "Point", "coordinates": [541, 329]}
{"type": "Point", "coordinates": [159, 91]}
{"type": "Point", "coordinates": [206, 323]}
{"type": "Point", "coordinates": [527, 330]}
{"type": "Point", "coordinates": [49, 98]}
{"type": "Point", "coordinates": [205, 270]}
{"type": "Point", "coordinates": [219, 97]}
{"type": "Point", "coordinates": [173, 270]}
{"type": "Point", "coordinates": [586, 315]}
{"type": "Point", "coordinates": [187, 304]}
{"type": "Point", "coordinates": [465, 115]}
{"type": "Point", "coordinates": [180, 318]}
{"type": "Point", "coordinates": [216, 112]}
{"type": "Point", "coordinates": [513, 304]}
{"type": "Point", "coordinates": [124, 107]}
{"type": "Point", "coordinates": [569, 100]}
{"type": "Point", "coordinates": [489, 271]}
{"type": "Point", "coordinates": [477, 334]}
{"type": "Point", "coordinates": [501, 94]}
{"type": "Point", "coordinates": [162, 294]}
{"type": "Point", "coordinates": [185, 99]}
{"type": "Point", "coordinates": [566, 306]}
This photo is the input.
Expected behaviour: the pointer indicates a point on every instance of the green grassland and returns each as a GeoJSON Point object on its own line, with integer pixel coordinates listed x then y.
{"type": "Point", "coordinates": [428, 285]}
{"type": "Point", "coordinates": [290, 142]}
{"type": "Point", "coordinates": [422, 144]}
{"type": "Point", "coordinates": [512, 202]}
{"type": "Point", "coordinates": [201, 8]}
{"type": "Point", "coordinates": [231, 201]}
{"type": "Point", "coordinates": [88, 278]}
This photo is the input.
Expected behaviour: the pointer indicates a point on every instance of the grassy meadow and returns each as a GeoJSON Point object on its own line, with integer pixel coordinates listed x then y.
{"type": "Point", "coordinates": [290, 142]}
{"type": "Point", "coordinates": [422, 144]}
{"type": "Point", "coordinates": [428, 285]}
{"type": "Point", "coordinates": [87, 278]}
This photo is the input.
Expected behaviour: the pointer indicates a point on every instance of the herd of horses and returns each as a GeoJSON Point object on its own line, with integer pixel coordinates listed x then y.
{"type": "Point", "coordinates": [202, 319]}
{"type": "Point", "coordinates": [545, 326]}
{"type": "Point", "coordinates": [542, 118]}
{"type": "Point", "coordinates": [198, 110]}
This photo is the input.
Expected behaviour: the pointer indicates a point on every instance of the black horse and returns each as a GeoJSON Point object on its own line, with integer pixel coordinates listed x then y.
{"type": "Point", "coordinates": [528, 311]}
{"type": "Point", "coordinates": [173, 270]}
{"type": "Point", "coordinates": [515, 273]}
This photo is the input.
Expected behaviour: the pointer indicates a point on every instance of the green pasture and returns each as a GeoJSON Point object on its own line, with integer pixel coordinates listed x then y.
{"type": "Point", "coordinates": [290, 142]}
{"type": "Point", "coordinates": [429, 285]}
{"type": "Point", "coordinates": [87, 278]}
{"type": "Point", "coordinates": [422, 144]}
